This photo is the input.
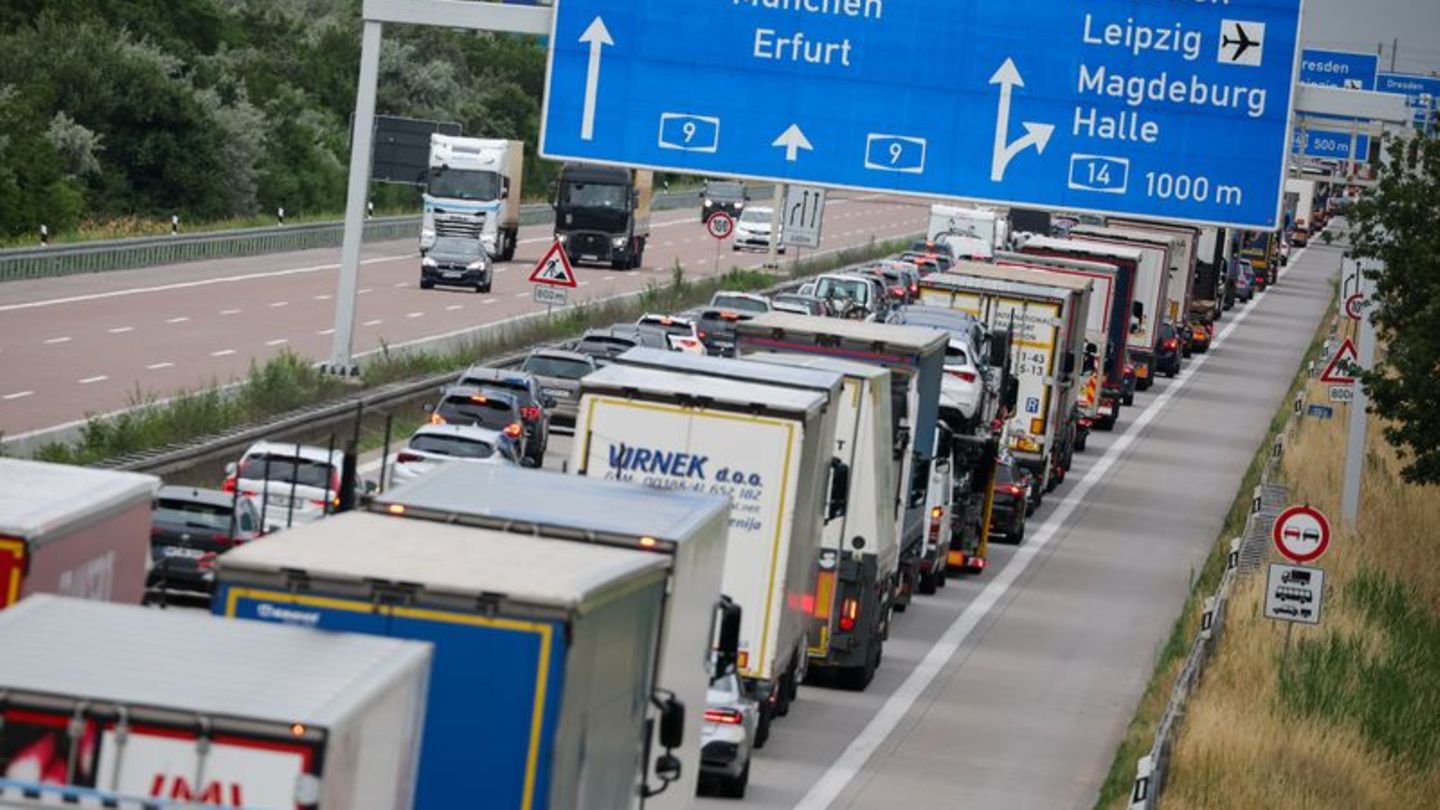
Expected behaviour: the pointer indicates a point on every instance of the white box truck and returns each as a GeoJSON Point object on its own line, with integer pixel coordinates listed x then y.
{"type": "Point", "coordinates": [860, 551]}
{"type": "Point", "coordinates": [1184, 256]}
{"type": "Point", "coordinates": [1152, 292]}
{"type": "Point", "coordinates": [760, 446]}
{"type": "Point", "coordinates": [545, 650]}
{"type": "Point", "coordinates": [973, 232]}
{"type": "Point", "coordinates": [686, 530]}
{"type": "Point", "coordinates": [473, 191]}
{"type": "Point", "coordinates": [123, 706]}
{"type": "Point", "coordinates": [1047, 324]}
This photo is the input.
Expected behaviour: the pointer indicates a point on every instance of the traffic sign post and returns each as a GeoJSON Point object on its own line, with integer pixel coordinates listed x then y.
{"type": "Point", "coordinates": [1294, 594]}
{"type": "Point", "coordinates": [1301, 534]}
{"type": "Point", "coordinates": [554, 269]}
{"type": "Point", "coordinates": [803, 217]}
{"type": "Point", "coordinates": [720, 226]}
{"type": "Point", "coordinates": [1178, 111]}
{"type": "Point", "coordinates": [1340, 369]}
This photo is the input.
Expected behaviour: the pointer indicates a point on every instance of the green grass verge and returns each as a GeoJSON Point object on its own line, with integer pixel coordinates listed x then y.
{"type": "Point", "coordinates": [1140, 734]}
{"type": "Point", "coordinates": [287, 381]}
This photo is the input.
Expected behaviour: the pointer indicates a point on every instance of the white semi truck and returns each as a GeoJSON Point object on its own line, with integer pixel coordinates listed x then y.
{"type": "Point", "coordinates": [766, 448]}
{"type": "Point", "coordinates": [972, 232]}
{"type": "Point", "coordinates": [472, 191]}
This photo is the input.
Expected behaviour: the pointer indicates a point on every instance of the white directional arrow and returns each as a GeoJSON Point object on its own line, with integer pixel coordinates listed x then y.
{"type": "Point", "coordinates": [597, 36]}
{"type": "Point", "coordinates": [1037, 135]}
{"type": "Point", "coordinates": [793, 140]}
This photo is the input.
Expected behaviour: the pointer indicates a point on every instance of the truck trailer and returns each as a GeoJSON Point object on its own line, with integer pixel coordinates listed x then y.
{"type": "Point", "coordinates": [768, 450]}
{"type": "Point", "coordinates": [472, 191]}
{"type": "Point", "coordinates": [74, 531]}
{"type": "Point", "coordinates": [545, 650]}
{"type": "Point", "coordinates": [110, 705]}
{"type": "Point", "coordinates": [1152, 293]}
{"type": "Point", "coordinates": [686, 530]}
{"type": "Point", "coordinates": [915, 358]}
{"type": "Point", "coordinates": [602, 214]}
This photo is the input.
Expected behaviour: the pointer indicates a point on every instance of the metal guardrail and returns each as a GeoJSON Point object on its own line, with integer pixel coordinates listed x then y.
{"type": "Point", "coordinates": [151, 251]}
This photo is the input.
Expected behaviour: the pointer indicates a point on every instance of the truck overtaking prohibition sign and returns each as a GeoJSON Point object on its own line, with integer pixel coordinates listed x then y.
{"type": "Point", "coordinates": [1301, 534]}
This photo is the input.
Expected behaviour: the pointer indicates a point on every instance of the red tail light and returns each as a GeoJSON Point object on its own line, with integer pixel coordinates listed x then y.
{"type": "Point", "coordinates": [406, 458]}
{"type": "Point", "coordinates": [514, 430]}
{"type": "Point", "coordinates": [965, 376]}
{"type": "Point", "coordinates": [1013, 489]}
{"type": "Point", "coordinates": [222, 538]}
{"type": "Point", "coordinates": [725, 717]}
{"type": "Point", "coordinates": [436, 419]}
{"type": "Point", "coordinates": [530, 413]}
{"type": "Point", "coordinates": [849, 612]}
{"type": "Point", "coordinates": [228, 485]}
{"type": "Point", "coordinates": [914, 289]}
{"type": "Point", "coordinates": [206, 561]}
{"type": "Point", "coordinates": [1171, 344]}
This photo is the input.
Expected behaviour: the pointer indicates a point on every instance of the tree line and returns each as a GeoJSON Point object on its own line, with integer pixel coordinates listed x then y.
{"type": "Point", "coordinates": [213, 109]}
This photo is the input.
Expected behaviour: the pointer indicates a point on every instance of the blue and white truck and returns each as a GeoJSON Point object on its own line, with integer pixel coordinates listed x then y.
{"type": "Point", "coordinates": [686, 531]}
{"type": "Point", "coordinates": [915, 358]}
{"type": "Point", "coordinates": [545, 650]}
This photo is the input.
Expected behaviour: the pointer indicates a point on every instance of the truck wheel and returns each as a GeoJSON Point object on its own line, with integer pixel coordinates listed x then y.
{"type": "Point", "coordinates": [1080, 442]}
{"type": "Point", "coordinates": [512, 239]}
{"type": "Point", "coordinates": [638, 259]}
{"type": "Point", "coordinates": [927, 584]}
{"type": "Point", "coordinates": [762, 728]}
{"type": "Point", "coordinates": [856, 679]}
{"type": "Point", "coordinates": [942, 573]}
{"type": "Point", "coordinates": [782, 696]}
{"type": "Point", "coordinates": [735, 788]}
{"type": "Point", "coordinates": [1127, 400]}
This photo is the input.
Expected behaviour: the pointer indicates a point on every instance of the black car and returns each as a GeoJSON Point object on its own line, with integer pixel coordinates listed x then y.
{"type": "Point", "coordinates": [1167, 351]}
{"type": "Point", "coordinates": [456, 262]}
{"type": "Point", "coordinates": [607, 344]}
{"type": "Point", "coordinates": [1012, 502]}
{"type": "Point", "coordinates": [535, 404]}
{"type": "Point", "coordinates": [491, 408]}
{"type": "Point", "coordinates": [189, 528]}
{"type": "Point", "coordinates": [717, 330]}
{"type": "Point", "coordinates": [723, 195]}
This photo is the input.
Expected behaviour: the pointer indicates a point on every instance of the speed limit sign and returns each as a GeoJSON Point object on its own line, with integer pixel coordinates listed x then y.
{"type": "Point", "coordinates": [720, 225]}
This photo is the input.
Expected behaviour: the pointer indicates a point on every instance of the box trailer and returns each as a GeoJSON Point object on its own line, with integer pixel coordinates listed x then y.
{"type": "Point", "coordinates": [545, 650]}
{"type": "Point", "coordinates": [1184, 255]}
{"type": "Point", "coordinates": [915, 358]}
{"type": "Point", "coordinates": [859, 552]}
{"type": "Point", "coordinates": [1047, 327]}
{"type": "Point", "coordinates": [1152, 293]}
{"type": "Point", "coordinates": [1212, 262]}
{"type": "Point", "coordinates": [755, 445]}
{"type": "Point", "coordinates": [685, 530]}
{"type": "Point", "coordinates": [74, 531]}
{"type": "Point", "coordinates": [124, 703]}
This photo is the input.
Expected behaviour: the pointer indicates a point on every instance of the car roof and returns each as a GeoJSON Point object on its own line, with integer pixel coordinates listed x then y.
{"type": "Point", "coordinates": [484, 372]}
{"type": "Point", "coordinates": [474, 433]}
{"type": "Point", "coordinates": [563, 354]}
{"type": "Point", "coordinates": [307, 452]}
{"type": "Point", "coordinates": [682, 320]}
{"type": "Point", "coordinates": [209, 497]}
{"type": "Point", "coordinates": [478, 390]}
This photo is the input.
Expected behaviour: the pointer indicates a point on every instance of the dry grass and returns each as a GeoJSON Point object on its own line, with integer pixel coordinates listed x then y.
{"type": "Point", "coordinates": [1351, 717]}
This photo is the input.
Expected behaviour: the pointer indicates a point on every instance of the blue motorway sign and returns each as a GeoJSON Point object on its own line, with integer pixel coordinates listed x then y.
{"type": "Point", "coordinates": [1169, 110]}
{"type": "Point", "coordinates": [1423, 92]}
{"type": "Point", "coordinates": [1319, 143]}
{"type": "Point", "coordinates": [1352, 71]}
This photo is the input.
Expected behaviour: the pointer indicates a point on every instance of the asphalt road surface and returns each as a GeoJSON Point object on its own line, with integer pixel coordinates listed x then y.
{"type": "Point", "coordinates": [86, 344]}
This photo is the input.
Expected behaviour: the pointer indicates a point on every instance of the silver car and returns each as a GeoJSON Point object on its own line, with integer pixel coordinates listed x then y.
{"type": "Point", "coordinates": [432, 445]}
{"type": "Point", "coordinates": [559, 373]}
{"type": "Point", "coordinates": [727, 738]}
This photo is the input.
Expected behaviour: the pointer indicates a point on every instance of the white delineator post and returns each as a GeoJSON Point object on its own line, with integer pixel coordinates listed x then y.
{"type": "Point", "coordinates": [341, 358]}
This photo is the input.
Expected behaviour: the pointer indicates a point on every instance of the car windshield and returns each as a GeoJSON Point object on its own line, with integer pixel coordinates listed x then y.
{"type": "Point", "coordinates": [462, 248]}
{"type": "Point", "coordinates": [1166, 331]}
{"type": "Point", "coordinates": [756, 216]}
{"type": "Point", "coordinates": [669, 326]}
{"type": "Point", "coordinates": [724, 191]}
{"type": "Point", "coordinates": [481, 410]}
{"type": "Point", "coordinates": [594, 195]}
{"type": "Point", "coordinates": [193, 514]}
{"type": "Point", "coordinates": [853, 289]}
{"type": "Point", "coordinates": [550, 366]}
{"type": "Point", "coordinates": [739, 302]}
{"type": "Point", "coordinates": [956, 355]}
{"type": "Point", "coordinates": [1005, 474]}
{"type": "Point", "coordinates": [603, 345]}
{"type": "Point", "coordinates": [285, 469]}
{"type": "Point", "coordinates": [465, 184]}
{"type": "Point", "coordinates": [455, 446]}
{"type": "Point", "coordinates": [511, 384]}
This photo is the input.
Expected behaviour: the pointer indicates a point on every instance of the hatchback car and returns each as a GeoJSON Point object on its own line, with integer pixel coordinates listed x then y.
{"type": "Point", "coordinates": [489, 408]}
{"type": "Point", "coordinates": [189, 528]}
{"type": "Point", "coordinates": [1244, 284]}
{"type": "Point", "coordinates": [728, 737]}
{"type": "Point", "coordinates": [740, 302]}
{"type": "Point", "coordinates": [433, 445]}
{"type": "Point", "coordinates": [288, 483]}
{"type": "Point", "coordinates": [1012, 503]}
{"type": "Point", "coordinates": [1167, 351]}
{"type": "Point", "coordinates": [682, 332]}
{"type": "Point", "coordinates": [717, 330]}
{"type": "Point", "coordinates": [534, 403]}
{"type": "Point", "coordinates": [456, 262]}
{"type": "Point", "coordinates": [606, 344]}
{"type": "Point", "coordinates": [559, 373]}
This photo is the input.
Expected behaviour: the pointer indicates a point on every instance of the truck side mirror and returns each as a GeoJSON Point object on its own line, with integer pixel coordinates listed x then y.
{"type": "Point", "coordinates": [1011, 394]}
{"type": "Point", "coordinates": [944, 444]}
{"type": "Point", "coordinates": [1069, 363]}
{"type": "Point", "coordinates": [672, 724]}
{"type": "Point", "coordinates": [839, 490]}
{"type": "Point", "coordinates": [999, 348]}
{"type": "Point", "coordinates": [428, 407]}
{"type": "Point", "coordinates": [1137, 309]}
{"type": "Point", "coordinates": [727, 646]}
{"type": "Point", "coordinates": [504, 186]}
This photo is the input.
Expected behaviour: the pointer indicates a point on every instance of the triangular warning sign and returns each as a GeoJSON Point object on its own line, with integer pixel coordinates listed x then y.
{"type": "Point", "coordinates": [554, 268]}
{"type": "Point", "coordinates": [1338, 372]}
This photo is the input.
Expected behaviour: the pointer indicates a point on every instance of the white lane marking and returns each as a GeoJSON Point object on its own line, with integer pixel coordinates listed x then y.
{"type": "Point", "coordinates": [375, 322]}
{"type": "Point", "coordinates": [584, 284]}
{"type": "Point", "coordinates": [278, 304]}
{"type": "Point", "coordinates": [363, 290]}
{"type": "Point", "coordinates": [325, 297]}
{"type": "Point", "coordinates": [454, 307]}
{"type": "Point", "coordinates": [322, 332]}
{"type": "Point", "coordinates": [120, 330]}
{"type": "Point", "coordinates": [229, 312]}
{"type": "Point", "coordinates": [522, 295]}
{"type": "Point", "coordinates": [95, 379]}
{"type": "Point", "coordinates": [53, 341]}
{"type": "Point", "coordinates": [277, 342]}
{"type": "Point", "coordinates": [183, 285]}
{"type": "Point", "coordinates": [608, 278]}
{"type": "Point", "coordinates": [222, 353]}
{"type": "Point", "coordinates": [851, 762]}
{"type": "Point", "coordinates": [414, 314]}
{"type": "Point", "coordinates": [158, 366]}
{"type": "Point", "coordinates": [178, 319]}
{"type": "Point", "coordinates": [401, 284]}
{"type": "Point", "coordinates": [17, 395]}
{"type": "Point", "coordinates": [492, 300]}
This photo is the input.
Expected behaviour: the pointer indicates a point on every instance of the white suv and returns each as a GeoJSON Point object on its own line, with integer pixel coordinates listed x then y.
{"type": "Point", "coordinates": [287, 483]}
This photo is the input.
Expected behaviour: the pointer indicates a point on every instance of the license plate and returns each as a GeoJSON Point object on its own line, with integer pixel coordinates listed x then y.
{"type": "Point", "coordinates": [453, 274]}
{"type": "Point", "coordinates": [278, 500]}
{"type": "Point", "coordinates": [1106, 410]}
{"type": "Point", "coordinates": [589, 258]}
{"type": "Point", "coordinates": [183, 552]}
{"type": "Point", "coordinates": [557, 393]}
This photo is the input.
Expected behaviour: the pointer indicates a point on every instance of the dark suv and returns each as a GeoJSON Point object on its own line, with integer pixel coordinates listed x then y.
{"type": "Point", "coordinates": [535, 404]}
{"type": "Point", "coordinates": [491, 408]}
